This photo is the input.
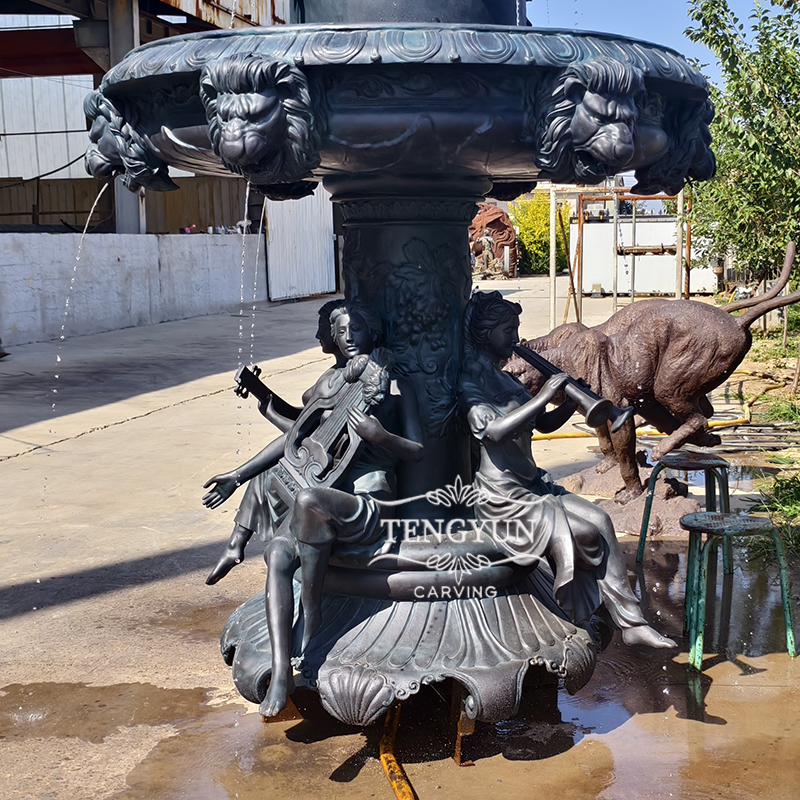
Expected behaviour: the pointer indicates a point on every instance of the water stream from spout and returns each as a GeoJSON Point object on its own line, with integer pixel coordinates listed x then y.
{"type": "Point", "coordinates": [67, 303]}
{"type": "Point", "coordinates": [255, 279]}
{"type": "Point", "coordinates": [245, 226]}
{"type": "Point", "coordinates": [62, 336]}
{"type": "Point", "coordinates": [253, 309]}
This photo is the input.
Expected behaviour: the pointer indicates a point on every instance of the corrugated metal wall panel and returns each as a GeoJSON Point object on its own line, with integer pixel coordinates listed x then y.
{"type": "Point", "coordinates": [300, 247]}
{"type": "Point", "coordinates": [69, 201]}
{"type": "Point", "coordinates": [34, 105]}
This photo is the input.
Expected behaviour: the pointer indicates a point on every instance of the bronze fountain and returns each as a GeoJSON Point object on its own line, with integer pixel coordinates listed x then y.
{"type": "Point", "coordinates": [388, 486]}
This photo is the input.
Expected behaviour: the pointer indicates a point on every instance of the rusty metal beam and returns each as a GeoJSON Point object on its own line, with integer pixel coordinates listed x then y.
{"type": "Point", "coordinates": [43, 53]}
{"type": "Point", "coordinates": [246, 14]}
{"type": "Point", "coordinates": [75, 8]}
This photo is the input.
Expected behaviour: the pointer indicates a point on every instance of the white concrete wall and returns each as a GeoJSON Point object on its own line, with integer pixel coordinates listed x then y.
{"type": "Point", "coordinates": [120, 281]}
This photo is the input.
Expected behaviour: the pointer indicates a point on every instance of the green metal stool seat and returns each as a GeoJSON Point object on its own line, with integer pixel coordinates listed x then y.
{"type": "Point", "coordinates": [716, 527]}
{"type": "Point", "coordinates": [716, 475]}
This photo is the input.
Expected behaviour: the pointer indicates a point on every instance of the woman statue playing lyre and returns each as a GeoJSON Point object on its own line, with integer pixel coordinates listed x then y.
{"type": "Point", "coordinates": [533, 519]}
{"type": "Point", "coordinates": [322, 480]}
{"type": "Point", "coordinates": [253, 513]}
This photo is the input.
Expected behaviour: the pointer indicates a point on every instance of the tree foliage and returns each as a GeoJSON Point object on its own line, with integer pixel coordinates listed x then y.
{"type": "Point", "coordinates": [531, 214]}
{"type": "Point", "coordinates": [752, 207]}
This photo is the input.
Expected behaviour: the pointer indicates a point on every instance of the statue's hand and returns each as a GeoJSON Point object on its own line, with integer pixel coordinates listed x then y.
{"type": "Point", "coordinates": [365, 426]}
{"type": "Point", "coordinates": [263, 406]}
{"type": "Point", "coordinates": [555, 383]}
{"type": "Point", "coordinates": [226, 484]}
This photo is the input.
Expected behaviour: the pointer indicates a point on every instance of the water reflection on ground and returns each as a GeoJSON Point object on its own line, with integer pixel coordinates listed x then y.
{"type": "Point", "coordinates": [644, 726]}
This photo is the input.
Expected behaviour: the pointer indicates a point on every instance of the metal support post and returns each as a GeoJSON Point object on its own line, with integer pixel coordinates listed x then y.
{"type": "Point", "coordinates": [123, 36]}
{"type": "Point", "coordinates": [552, 257]}
{"type": "Point", "coordinates": [633, 244]}
{"type": "Point", "coordinates": [615, 276]}
{"type": "Point", "coordinates": [679, 249]}
{"type": "Point", "coordinates": [579, 254]}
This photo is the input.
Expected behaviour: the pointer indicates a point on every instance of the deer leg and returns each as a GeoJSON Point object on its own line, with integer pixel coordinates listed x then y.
{"type": "Point", "coordinates": [624, 442]}
{"type": "Point", "coordinates": [694, 422]}
{"type": "Point", "coordinates": [610, 459]}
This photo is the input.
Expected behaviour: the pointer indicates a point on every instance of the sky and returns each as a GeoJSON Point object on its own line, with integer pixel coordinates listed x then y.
{"type": "Point", "coordinates": [659, 21]}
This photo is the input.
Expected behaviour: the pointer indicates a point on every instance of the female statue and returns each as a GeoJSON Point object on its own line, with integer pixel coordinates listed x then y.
{"type": "Point", "coordinates": [541, 521]}
{"type": "Point", "coordinates": [303, 518]}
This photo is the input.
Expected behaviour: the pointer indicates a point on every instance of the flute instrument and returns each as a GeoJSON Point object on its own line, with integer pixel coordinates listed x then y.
{"type": "Point", "coordinates": [597, 410]}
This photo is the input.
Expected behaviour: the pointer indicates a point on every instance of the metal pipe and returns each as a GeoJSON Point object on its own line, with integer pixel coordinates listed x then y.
{"type": "Point", "coordinates": [552, 257]}
{"type": "Point", "coordinates": [544, 437]}
{"type": "Point", "coordinates": [679, 241]}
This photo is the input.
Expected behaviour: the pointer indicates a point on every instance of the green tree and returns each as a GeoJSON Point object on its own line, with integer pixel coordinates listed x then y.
{"type": "Point", "coordinates": [752, 207]}
{"type": "Point", "coordinates": [531, 214]}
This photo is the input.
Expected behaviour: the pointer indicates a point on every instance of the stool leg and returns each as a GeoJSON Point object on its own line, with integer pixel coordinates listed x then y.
{"type": "Point", "coordinates": [711, 486]}
{"type": "Point", "coordinates": [692, 560]}
{"type": "Point", "coordinates": [696, 651]}
{"type": "Point", "coordinates": [648, 507]}
{"type": "Point", "coordinates": [785, 595]}
{"type": "Point", "coordinates": [721, 474]}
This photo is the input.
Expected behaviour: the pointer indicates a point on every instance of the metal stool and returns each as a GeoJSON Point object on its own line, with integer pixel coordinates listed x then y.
{"type": "Point", "coordinates": [723, 527]}
{"type": "Point", "coordinates": [716, 474]}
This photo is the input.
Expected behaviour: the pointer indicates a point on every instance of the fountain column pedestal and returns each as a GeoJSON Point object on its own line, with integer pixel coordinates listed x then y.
{"type": "Point", "coordinates": [407, 256]}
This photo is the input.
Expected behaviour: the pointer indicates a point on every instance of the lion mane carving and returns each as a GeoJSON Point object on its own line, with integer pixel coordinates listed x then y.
{"type": "Point", "coordinates": [596, 118]}
{"type": "Point", "coordinates": [582, 123]}
{"type": "Point", "coordinates": [117, 148]}
{"type": "Point", "coordinates": [260, 122]}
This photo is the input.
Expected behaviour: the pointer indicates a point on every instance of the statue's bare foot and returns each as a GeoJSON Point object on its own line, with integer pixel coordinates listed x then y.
{"type": "Point", "coordinates": [233, 555]}
{"type": "Point", "coordinates": [606, 465]}
{"type": "Point", "coordinates": [226, 563]}
{"type": "Point", "coordinates": [644, 634]}
{"type": "Point", "coordinates": [627, 494]}
{"type": "Point", "coordinates": [280, 686]}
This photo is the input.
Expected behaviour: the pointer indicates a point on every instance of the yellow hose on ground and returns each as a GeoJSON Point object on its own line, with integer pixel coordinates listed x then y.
{"type": "Point", "coordinates": [393, 768]}
{"type": "Point", "coordinates": [721, 423]}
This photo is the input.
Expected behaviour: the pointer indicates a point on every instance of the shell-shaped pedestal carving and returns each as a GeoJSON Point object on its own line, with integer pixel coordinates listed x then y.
{"type": "Point", "coordinates": [370, 652]}
{"type": "Point", "coordinates": [354, 694]}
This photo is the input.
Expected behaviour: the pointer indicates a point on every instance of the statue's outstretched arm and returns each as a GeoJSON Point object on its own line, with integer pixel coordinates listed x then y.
{"type": "Point", "coordinates": [550, 421]}
{"type": "Point", "coordinates": [225, 484]}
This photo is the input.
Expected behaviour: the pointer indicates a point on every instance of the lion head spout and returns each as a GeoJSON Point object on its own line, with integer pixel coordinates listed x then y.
{"type": "Point", "coordinates": [117, 148]}
{"type": "Point", "coordinates": [260, 120]}
{"type": "Point", "coordinates": [583, 122]}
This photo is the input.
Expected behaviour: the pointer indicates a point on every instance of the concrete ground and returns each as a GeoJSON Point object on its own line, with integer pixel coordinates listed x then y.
{"type": "Point", "coordinates": [112, 682]}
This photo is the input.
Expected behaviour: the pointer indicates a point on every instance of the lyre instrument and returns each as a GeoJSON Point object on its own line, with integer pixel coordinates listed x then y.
{"type": "Point", "coordinates": [321, 444]}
